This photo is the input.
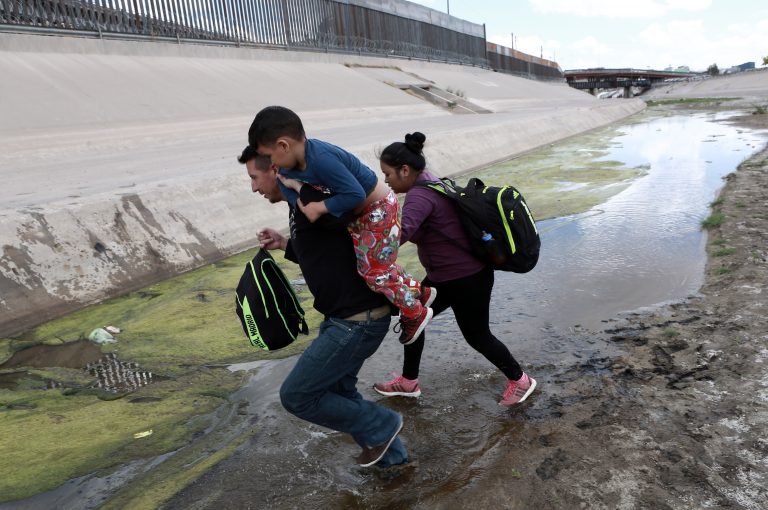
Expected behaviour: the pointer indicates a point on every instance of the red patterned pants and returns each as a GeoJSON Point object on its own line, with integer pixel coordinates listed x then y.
{"type": "Point", "coordinates": [376, 236]}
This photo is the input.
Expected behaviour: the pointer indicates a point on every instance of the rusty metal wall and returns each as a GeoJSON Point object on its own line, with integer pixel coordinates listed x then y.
{"type": "Point", "coordinates": [343, 25]}
{"type": "Point", "coordinates": [501, 58]}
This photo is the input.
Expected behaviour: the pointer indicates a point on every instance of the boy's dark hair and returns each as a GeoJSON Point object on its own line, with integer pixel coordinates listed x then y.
{"type": "Point", "coordinates": [273, 122]}
{"type": "Point", "coordinates": [408, 153]}
{"type": "Point", "coordinates": [249, 153]}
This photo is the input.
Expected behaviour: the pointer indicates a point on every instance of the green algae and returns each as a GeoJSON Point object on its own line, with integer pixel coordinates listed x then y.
{"type": "Point", "coordinates": [176, 329]}
{"type": "Point", "coordinates": [48, 437]}
{"type": "Point", "coordinates": [185, 330]}
{"type": "Point", "coordinates": [566, 178]}
{"type": "Point", "coordinates": [699, 101]}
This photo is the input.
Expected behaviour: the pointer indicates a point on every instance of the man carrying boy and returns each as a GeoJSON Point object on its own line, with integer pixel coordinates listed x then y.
{"type": "Point", "coordinates": [373, 208]}
{"type": "Point", "coordinates": [321, 388]}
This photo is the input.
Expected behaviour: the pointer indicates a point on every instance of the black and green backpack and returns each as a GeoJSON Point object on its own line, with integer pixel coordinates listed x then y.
{"type": "Point", "coordinates": [500, 227]}
{"type": "Point", "coordinates": [267, 305]}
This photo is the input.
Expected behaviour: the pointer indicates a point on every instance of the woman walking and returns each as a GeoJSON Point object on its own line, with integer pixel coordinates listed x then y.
{"type": "Point", "coordinates": [463, 282]}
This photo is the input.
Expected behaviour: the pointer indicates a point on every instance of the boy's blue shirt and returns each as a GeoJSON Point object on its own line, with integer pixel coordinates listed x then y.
{"type": "Point", "coordinates": [333, 169]}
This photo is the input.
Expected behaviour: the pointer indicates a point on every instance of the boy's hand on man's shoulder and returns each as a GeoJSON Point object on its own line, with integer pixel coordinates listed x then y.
{"type": "Point", "coordinates": [289, 183]}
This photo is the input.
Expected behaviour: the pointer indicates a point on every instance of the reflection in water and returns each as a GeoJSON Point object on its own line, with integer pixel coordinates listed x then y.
{"type": "Point", "coordinates": [645, 245]}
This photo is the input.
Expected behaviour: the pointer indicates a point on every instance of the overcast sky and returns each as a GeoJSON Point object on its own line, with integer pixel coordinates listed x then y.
{"type": "Point", "coordinates": [624, 33]}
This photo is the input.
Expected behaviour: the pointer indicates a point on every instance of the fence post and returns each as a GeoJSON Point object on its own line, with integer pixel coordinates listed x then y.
{"type": "Point", "coordinates": [286, 22]}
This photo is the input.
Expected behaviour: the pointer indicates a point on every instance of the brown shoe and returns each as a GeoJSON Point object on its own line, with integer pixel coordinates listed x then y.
{"type": "Point", "coordinates": [370, 456]}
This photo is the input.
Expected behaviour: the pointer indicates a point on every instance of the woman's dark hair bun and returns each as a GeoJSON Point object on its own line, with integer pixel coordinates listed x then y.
{"type": "Point", "coordinates": [415, 142]}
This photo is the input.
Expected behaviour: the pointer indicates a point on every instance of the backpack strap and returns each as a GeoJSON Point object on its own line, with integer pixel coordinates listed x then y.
{"type": "Point", "coordinates": [446, 187]}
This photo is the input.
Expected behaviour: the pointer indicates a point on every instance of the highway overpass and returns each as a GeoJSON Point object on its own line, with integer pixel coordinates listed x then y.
{"type": "Point", "coordinates": [601, 78]}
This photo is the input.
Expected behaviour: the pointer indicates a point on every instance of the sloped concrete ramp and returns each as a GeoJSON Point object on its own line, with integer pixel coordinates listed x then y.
{"type": "Point", "coordinates": [117, 158]}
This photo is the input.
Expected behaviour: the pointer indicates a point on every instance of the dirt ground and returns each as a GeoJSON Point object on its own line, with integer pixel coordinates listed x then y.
{"type": "Point", "coordinates": [679, 420]}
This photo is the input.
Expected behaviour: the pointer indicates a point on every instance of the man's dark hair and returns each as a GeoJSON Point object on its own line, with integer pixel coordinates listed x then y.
{"type": "Point", "coordinates": [249, 153]}
{"type": "Point", "coordinates": [273, 122]}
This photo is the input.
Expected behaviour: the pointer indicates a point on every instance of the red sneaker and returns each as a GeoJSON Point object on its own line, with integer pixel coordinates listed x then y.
{"type": "Point", "coordinates": [410, 329]}
{"type": "Point", "coordinates": [428, 295]}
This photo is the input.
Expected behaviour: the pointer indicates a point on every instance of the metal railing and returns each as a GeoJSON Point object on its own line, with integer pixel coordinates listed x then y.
{"type": "Point", "coordinates": [343, 25]}
{"type": "Point", "coordinates": [353, 26]}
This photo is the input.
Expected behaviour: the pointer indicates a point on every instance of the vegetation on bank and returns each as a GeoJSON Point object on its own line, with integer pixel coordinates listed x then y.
{"type": "Point", "coordinates": [183, 330]}
{"type": "Point", "coordinates": [701, 101]}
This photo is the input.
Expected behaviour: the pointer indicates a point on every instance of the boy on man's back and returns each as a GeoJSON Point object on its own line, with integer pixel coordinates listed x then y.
{"type": "Point", "coordinates": [278, 132]}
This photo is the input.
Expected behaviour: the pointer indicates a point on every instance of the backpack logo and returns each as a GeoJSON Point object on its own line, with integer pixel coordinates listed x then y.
{"type": "Point", "coordinates": [252, 331]}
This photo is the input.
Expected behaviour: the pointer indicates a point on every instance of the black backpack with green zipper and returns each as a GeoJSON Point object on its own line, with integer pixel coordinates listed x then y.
{"type": "Point", "coordinates": [500, 227]}
{"type": "Point", "coordinates": [267, 305]}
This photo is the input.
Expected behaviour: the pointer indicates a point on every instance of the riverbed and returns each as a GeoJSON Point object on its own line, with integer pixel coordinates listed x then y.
{"type": "Point", "coordinates": [463, 444]}
{"type": "Point", "coordinates": [642, 248]}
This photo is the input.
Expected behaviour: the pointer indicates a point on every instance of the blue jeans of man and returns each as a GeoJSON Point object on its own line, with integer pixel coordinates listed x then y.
{"type": "Point", "coordinates": [322, 387]}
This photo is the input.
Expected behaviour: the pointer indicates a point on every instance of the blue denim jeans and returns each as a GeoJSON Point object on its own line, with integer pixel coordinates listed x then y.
{"type": "Point", "coordinates": [322, 387]}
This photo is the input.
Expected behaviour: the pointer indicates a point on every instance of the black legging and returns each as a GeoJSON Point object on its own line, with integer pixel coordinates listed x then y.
{"type": "Point", "coordinates": [470, 299]}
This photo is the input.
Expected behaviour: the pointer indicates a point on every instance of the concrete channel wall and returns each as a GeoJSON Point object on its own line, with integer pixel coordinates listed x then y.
{"type": "Point", "coordinates": [117, 158]}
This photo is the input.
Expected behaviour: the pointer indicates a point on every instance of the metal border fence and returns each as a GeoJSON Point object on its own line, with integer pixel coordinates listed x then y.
{"type": "Point", "coordinates": [353, 26]}
{"type": "Point", "coordinates": [521, 64]}
{"type": "Point", "coordinates": [311, 24]}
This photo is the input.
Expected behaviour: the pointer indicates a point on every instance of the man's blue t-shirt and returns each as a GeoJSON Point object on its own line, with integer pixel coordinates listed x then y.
{"type": "Point", "coordinates": [334, 170]}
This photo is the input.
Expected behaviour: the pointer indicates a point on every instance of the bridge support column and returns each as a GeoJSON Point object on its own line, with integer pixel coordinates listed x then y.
{"type": "Point", "coordinates": [591, 92]}
{"type": "Point", "coordinates": [627, 92]}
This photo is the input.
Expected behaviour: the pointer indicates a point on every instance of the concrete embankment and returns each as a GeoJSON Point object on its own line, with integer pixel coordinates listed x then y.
{"type": "Point", "coordinates": [118, 157]}
{"type": "Point", "coordinates": [750, 86]}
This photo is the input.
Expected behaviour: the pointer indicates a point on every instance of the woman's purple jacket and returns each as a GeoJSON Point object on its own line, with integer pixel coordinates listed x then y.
{"type": "Point", "coordinates": [430, 220]}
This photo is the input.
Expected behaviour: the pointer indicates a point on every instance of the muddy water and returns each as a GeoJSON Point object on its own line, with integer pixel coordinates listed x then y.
{"type": "Point", "coordinates": [642, 247]}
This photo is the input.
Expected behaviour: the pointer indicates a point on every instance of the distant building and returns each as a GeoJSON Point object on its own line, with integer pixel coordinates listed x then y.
{"type": "Point", "coordinates": [678, 69]}
{"type": "Point", "coordinates": [741, 67]}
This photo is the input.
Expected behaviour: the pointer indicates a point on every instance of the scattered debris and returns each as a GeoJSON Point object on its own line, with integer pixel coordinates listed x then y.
{"type": "Point", "coordinates": [101, 336]}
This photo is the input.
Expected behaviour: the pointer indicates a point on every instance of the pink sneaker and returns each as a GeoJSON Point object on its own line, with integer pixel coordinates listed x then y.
{"type": "Point", "coordinates": [428, 295]}
{"type": "Point", "coordinates": [517, 391]}
{"type": "Point", "coordinates": [399, 386]}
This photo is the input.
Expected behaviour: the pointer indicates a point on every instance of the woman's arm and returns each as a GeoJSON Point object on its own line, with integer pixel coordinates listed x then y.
{"type": "Point", "coordinates": [417, 208]}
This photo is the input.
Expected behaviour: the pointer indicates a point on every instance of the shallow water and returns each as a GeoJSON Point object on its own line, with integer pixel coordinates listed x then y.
{"type": "Point", "coordinates": [645, 245]}
{"type": "Point", "coordinates": [642, 247]}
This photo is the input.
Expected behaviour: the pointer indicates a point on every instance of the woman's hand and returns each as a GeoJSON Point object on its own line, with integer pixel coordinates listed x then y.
{"type": "Point", "coordinates": [271, 239]}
